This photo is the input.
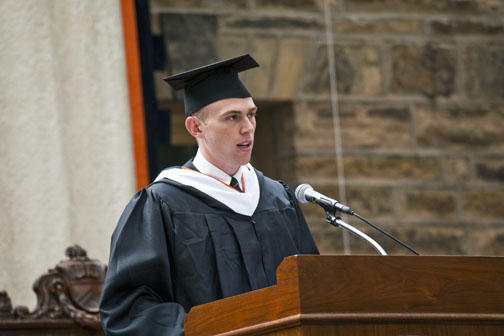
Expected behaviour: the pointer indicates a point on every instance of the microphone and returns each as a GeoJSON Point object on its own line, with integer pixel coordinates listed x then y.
{"type": "Point", "coordinates": [305, 193]}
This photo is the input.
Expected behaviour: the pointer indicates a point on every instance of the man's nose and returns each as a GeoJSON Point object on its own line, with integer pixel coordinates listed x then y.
{"type": "Point", "coordinates": [248, 126]}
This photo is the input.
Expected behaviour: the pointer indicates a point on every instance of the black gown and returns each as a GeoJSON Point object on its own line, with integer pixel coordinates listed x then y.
{"type": "Point", "coordinates": [176, 247]}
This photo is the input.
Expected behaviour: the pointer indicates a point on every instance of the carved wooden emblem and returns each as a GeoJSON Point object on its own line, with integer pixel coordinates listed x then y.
{"type": "Point", "coordinates": [70, 290]}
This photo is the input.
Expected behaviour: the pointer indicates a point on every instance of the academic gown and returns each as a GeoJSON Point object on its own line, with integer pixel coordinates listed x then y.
{"type": "Point", "coordinates": [176, 247]}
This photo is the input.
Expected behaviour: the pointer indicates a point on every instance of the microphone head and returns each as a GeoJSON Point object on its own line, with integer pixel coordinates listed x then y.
{"type": "Point", "coordinates": [300, 192]}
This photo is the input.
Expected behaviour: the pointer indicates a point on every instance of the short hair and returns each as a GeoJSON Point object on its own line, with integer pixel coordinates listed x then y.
{"type": "Point", "coordinates": [201, 114]}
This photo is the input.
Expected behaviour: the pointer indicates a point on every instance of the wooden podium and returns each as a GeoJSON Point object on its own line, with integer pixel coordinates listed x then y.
{"type": "Point", "coordinates": [365, 295]}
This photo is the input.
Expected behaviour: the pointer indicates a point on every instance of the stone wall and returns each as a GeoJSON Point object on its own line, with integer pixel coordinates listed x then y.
{"type": "Point", "coordinates": [420, 90]}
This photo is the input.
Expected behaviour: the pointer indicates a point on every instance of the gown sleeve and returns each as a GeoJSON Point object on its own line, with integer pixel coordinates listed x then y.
{"type": "Point", "coordinates": [138, 294]}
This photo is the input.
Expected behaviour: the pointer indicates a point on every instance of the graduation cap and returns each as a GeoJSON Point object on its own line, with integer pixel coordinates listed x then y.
{"type": "Point", "coordinates": [213, 82]}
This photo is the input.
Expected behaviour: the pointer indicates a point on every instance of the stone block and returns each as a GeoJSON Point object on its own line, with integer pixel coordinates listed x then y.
{"type": "Point", "coordinates": [424, 204]}
{"type": "Point", "coordinates": [313, 126]}
{"type": "Point", "coordinates": [231, 46]}
{"type": "Point", "coordinates": [460, 127]}
{"type": "Point", "coordinates": [490, 170]}
{"type": "Point", "coordinates": [375, 126]}
{"type": "Point", "coordinates": [357, 245]}
{"type": "Point", "coordinates": [289, 67]}
{"type": "Point", "coordinates": [274, 23]}
{"type": "Point", "coordinates": [425, 69]}
{"type": "Point", "coordinates": [296, 5]}
{"type": "Point", "coordinates": [190, 40]}
{"type": "Point", "coordinates": [480, 204]}
{"type": "Point", "coordinates": [303, 167]}
{"type": "Point", "coordinates": [487, 240]}
{"type": "Point", "coordinates": [365, 58]}
{"type": "Point", "coordinates": [425, 6]}
{"type": "Point", "coordinates": [450, 26]}
{"type": "Point", "coordinates": [362, 126]}
{"type": "Point", "coordinates": [484, 69]}
{"type": "Point", "coordinates": [258, 80]}
{"type": "Point", "coordinates": [317, 74]}
{"type": "Point", "coordinates": [329, 239]}
{"type": "Point", "coordinates": [428, 239]}
{"type": "Point", "coordinates": [369, 201]}
{"type": "Point", "coordinates": [372, 202]}
{"type": "Point", "coordinates": [398, 26]}
{"type": "Point", "coordinates": [357, 70]}
{"type": "Point", "coordinates": [392, 168]}
{"type": "Point", "coordinates": [456, 169]}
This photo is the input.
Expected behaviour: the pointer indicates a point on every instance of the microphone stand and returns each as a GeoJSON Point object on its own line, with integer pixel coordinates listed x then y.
{"type": "Point", "coordinates": [338, 222]}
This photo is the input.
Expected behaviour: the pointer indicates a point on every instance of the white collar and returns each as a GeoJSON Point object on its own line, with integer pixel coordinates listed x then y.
{"type": "Point", "coordinates": [205, 167]}
{"type": "Point", "coordinates": [243, 203]}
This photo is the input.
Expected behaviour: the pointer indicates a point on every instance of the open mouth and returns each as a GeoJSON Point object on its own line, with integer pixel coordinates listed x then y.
{"type": "Point", "coordinates": [245, 144]}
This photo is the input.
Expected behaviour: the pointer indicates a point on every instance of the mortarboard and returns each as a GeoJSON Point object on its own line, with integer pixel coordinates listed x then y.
{"type": "Point", "coordinates": [212, 82]}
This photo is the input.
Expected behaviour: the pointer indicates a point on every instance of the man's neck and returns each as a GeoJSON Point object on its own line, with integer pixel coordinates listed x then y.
{"type": "Point", "coordinates": [207, 167]}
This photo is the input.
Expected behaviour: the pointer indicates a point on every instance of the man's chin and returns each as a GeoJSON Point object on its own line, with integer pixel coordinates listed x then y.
{"type": "Point", "coordinates": [245, 161]}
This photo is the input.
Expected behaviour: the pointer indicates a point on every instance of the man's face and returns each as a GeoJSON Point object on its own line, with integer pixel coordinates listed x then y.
{"type": "Point", "coordinates": [227, 131]}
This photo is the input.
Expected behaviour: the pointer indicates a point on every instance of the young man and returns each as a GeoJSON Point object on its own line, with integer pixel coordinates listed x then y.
{"type": "Point", "coordinates": [214, 228]}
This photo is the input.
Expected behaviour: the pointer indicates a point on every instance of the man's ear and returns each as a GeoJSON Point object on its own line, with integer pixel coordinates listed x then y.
{"type": "Point", "coordinates": [192, 125]}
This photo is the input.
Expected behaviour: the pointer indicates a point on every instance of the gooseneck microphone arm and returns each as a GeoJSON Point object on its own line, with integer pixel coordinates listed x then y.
{"type": "Point", "coordinates": [338, 222]}
{"type": "Point", "coordinates": [305, 193]}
